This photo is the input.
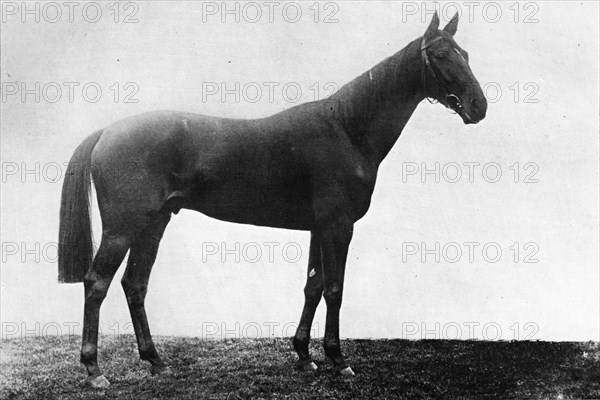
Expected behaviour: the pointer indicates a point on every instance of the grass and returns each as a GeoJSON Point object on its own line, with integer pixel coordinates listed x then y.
{"type": "Point", "coordinates": [48, 368]}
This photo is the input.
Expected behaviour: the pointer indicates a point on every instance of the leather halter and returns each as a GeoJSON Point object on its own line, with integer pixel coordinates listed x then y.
{"type": "Point", "coordinates": [452, 101]}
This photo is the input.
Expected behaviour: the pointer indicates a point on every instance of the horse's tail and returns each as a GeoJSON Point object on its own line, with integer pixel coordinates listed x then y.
{"type": "Point", "coordinates": [75, 245]}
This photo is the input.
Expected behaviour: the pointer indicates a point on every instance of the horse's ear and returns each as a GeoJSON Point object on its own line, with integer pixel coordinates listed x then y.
{"type": "Point", "coordinates": [433, 26]}
{"type": "Point", "coordinates": [452, 25]}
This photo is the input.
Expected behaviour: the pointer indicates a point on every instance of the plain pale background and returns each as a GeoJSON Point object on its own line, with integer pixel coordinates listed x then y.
{"type": "Point", "coordinates": [170, 52]}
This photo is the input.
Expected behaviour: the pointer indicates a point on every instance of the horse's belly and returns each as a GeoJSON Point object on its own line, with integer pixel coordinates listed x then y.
{"type": "Point", "coordinates": [288, 208]}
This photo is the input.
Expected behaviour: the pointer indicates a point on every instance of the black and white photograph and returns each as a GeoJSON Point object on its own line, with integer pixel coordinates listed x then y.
{"type": "Point", "coordinates": [304, 199]}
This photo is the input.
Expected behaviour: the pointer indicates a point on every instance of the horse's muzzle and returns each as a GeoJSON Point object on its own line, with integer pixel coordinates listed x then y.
{"type": "Point", "coordinates": [472, 112]}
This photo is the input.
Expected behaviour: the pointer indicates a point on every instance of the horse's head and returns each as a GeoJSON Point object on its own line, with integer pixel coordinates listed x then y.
{"type": "Point", "coordinates": [446, 75]}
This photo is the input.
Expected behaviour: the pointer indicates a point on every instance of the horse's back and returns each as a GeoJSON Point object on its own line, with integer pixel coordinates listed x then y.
{"type": "Point", "coordinates": [142, 131]}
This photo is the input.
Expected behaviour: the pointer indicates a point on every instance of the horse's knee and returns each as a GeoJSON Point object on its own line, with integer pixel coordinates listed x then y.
{"type": "Point", "coordinates": [333, 295]}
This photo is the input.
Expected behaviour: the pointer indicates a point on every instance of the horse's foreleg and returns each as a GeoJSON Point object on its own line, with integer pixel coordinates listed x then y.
{"type": "Point", "coordinates": [313, 291]}
{"type": "Point", "coordinates": [96, 282]}
{"type": "Point", "coordinates": [335, 241]}
{"type": "Point", "coordinates": [135, 284]}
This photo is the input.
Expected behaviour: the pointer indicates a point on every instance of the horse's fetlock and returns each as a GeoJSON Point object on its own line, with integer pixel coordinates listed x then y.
{"type": "Point", "coordinates": [332, 348]}
{"type": "Point", "coordinates": [148, 353]}
{"type": "Point", "coordinates": [301, 339]}
{"type": "Point", "coordinates": [89, 353]}
{"type": "Point", "coordinates": [300, 343]}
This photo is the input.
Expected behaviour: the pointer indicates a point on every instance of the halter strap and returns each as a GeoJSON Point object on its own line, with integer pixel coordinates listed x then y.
{"type": "Point", "coordinates": [456, 105]}
{"type": "Point", "coordinates": [426, 63]}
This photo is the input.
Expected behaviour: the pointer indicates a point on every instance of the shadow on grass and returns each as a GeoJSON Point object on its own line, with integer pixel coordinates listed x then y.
{"type": "Point", "coordinates": [40, 368]}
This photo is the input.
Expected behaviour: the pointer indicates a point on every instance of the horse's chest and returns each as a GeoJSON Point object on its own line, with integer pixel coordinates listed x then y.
{"type": "Point", "coordinates": [362, 175]}
{"type": "Point", "coordinates": [359, 188]}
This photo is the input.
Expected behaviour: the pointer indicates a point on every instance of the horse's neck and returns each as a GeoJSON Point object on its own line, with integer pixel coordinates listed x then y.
{"type": "Point", "coordinates": [377, 105]}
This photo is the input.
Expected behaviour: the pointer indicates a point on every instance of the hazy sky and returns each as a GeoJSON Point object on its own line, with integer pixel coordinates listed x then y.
{"type": "Point", "coordinates": [538, 63]}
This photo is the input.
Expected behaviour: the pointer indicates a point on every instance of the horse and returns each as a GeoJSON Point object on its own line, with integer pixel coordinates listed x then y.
{"type": "Point", "coordinates": [312, 167]}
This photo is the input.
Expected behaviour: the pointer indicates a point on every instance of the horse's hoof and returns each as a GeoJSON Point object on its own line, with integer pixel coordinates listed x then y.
{"type": "Point", "coordinates": [347, 371]}
{"type": "Point", "coordinates": [161, 370]}
{"type": "Point", "coordinates": [99, 382]}
{"type": "Point", "coordinates": [306, 366]}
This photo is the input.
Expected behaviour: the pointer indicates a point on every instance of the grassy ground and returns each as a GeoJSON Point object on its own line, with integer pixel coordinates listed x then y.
{"type": "Point", "coordinates": [48, 368]}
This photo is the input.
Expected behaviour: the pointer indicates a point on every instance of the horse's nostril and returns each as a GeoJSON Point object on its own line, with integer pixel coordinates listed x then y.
{"type": "Point", "coordinates": [479, 107]}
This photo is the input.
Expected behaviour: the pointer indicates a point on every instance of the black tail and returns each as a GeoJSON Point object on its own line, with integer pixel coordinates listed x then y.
{"type": "Point", "coordinates": [75, 245]}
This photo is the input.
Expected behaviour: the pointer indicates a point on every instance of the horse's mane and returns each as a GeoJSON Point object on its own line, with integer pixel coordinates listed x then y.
{"type": "Point", "coordinates": [359, 99]}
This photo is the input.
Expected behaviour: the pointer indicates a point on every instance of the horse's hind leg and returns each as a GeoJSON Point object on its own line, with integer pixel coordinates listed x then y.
{"type": "Point", "coordinates": [96, 282]}
{"type": "Point", "coordinates": [135, 284]}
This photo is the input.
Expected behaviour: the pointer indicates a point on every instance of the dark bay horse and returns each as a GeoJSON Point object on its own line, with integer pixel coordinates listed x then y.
{"type": "Point", "coordinates": [312, 167]}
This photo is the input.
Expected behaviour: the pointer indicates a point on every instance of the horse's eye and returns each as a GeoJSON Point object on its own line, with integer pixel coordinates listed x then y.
{"type": "Point", "coordinates": [440, 55]}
